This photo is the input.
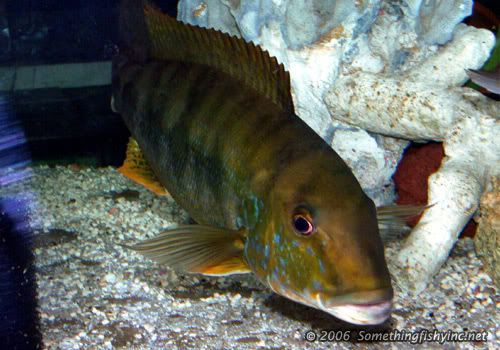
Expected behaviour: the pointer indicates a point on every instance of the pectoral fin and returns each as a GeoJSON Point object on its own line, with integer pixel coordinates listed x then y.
{"type": "Point", "coordinates": [392, 218]}
{"type": "Point", "coordinates": [138, 170]}
{"type": "Point", "coordinates": [198, 248]}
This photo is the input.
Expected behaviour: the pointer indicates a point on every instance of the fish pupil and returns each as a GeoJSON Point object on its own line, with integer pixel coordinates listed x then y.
{"type": "Point", "coordinates": [302, 225]}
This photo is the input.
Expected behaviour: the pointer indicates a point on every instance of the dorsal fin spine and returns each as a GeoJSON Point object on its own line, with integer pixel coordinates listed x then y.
{"type": "Point", "coordinates": [173, 40]}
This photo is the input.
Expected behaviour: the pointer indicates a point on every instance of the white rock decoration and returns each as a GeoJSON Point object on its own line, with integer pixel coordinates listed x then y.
{"type": "Point", "coordinates": [377, 66]}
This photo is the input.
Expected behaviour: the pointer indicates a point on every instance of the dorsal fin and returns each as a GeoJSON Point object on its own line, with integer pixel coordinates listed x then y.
{"type": "Point", "coordinates": [173, 40]}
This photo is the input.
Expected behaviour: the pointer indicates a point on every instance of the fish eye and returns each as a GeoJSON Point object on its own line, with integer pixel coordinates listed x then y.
{"type": "Point", "coordinates": [303, 225]}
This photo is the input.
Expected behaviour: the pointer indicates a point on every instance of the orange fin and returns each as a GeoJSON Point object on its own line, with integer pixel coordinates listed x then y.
{"type": "Point", "coordinates": [138, 170]}
{"type": "Point", "coordinates": [199, 249]}
{"type": "Point", "coordinates": [231, 266]}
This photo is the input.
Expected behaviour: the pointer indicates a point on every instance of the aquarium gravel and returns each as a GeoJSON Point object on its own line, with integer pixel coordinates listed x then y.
{"type": "Point", "coordinates": [96, 294]}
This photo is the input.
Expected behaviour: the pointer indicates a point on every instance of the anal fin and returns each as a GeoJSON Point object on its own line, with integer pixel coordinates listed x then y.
{"type": "Point", "coordinates": [138, 170]}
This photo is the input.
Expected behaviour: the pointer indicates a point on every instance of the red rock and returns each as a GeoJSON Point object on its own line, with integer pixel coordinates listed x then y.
{"type": "Point", "coordinates": [411, 177]}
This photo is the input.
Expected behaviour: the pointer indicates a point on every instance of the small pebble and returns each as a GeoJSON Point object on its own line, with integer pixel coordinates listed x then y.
{"type": "Point", "coordinates": [110, 278]}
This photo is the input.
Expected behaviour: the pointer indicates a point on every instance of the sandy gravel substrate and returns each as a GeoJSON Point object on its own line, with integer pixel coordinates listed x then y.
{"type": "Point", "coordinates": [95, 294]}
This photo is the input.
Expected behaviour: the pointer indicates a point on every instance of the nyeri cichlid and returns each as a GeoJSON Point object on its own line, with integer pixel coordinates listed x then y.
{"type": "Point", "coordinates": [213, 117]}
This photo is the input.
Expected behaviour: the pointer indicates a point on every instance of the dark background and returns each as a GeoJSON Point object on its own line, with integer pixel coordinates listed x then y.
{"type": "Point", "coordinates": [71, 125]}
{"type": "Point", "coordinates": [57, 31]}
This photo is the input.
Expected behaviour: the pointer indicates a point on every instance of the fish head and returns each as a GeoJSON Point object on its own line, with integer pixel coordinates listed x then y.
{"type": "Point", "coordinates": [323, 245]}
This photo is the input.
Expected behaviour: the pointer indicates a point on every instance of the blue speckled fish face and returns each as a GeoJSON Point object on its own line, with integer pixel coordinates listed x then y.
{"type": "Point", "coordinates": [321, 247]}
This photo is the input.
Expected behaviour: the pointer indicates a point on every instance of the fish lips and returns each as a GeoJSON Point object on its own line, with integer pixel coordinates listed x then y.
{"type": "Point", "coordinates": [362, 314]}
{"type": "Point", "coordinates": [360, 308]}
{"type": "Point", "coordinates": [374, 310]}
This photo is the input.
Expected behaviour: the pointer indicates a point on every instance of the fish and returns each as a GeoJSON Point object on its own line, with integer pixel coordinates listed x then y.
{"type": "Point", "coordinates": [488, 80]}
{"type": "Point", "coordinates": [213, 125]}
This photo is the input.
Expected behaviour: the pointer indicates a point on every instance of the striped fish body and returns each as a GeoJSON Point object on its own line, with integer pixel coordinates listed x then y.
{"type": "Point", "coordinates": [214, 118]}
{"type": "Point", "coordinates": [214, 143]}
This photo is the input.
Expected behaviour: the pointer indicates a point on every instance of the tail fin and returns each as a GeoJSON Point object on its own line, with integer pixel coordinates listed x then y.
{"type": "Point", "coordinates": [134, 36]}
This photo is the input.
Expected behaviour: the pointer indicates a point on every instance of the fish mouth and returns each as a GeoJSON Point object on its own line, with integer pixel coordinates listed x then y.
{"type": "Point", "coordinates": [374, 310]}
{"type": "Point", "coordinates": [361, 308]}
{"type": "Point", "coordinates": [362, 314]}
